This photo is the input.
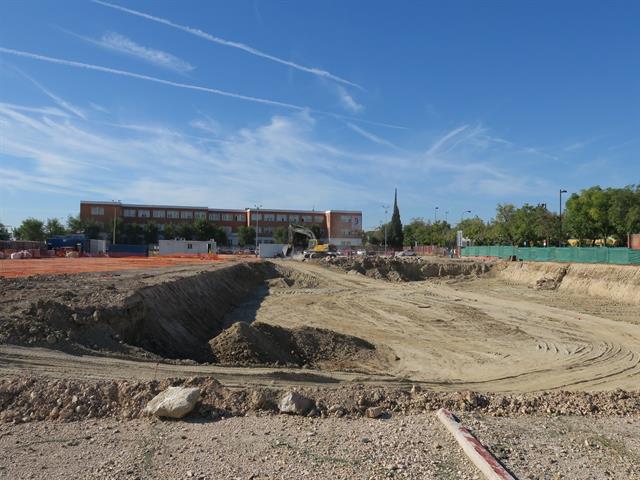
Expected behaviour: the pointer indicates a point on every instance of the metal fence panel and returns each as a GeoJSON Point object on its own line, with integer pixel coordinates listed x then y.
{"type": "Point", "coordinates": [619, 256]}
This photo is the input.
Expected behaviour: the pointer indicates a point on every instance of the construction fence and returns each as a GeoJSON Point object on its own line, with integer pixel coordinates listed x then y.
{"type": "Point", "coordinates": [619, 256]}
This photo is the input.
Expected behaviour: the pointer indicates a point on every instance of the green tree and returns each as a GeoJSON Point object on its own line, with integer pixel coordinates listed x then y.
{"type": "Point", "coordinates": [203, 230]}
{"type": "Point", "coordinates": [54, 227]}
{"type": "Point", "coordinates": [4, 233]}
{"type": "Point", "coordinates": [169, 231]}
{"type": "Point", "coordinates": [30, 229]}
{"type": "Point", "coordinates": [186, 231]}
{"type": "Point", "coordinates": [151, 233]}
{"type": "Point", "coordinates": [281, 235]}
{"type": "Point", "coordinates": [246, 236]}
{"type": "Point", "coordinates": [74, 224]}
{"type": "Point", "coordinates": [395, 235]}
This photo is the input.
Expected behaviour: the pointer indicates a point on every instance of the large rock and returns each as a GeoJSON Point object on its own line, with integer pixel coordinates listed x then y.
{"type": "Point", "coordinates": [174, 402]}
{"type": "Point", "coordinates": [295, 403]}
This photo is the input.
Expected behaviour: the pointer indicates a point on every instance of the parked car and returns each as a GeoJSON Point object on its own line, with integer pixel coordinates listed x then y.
{"type": "Point", "coordinates": [406, 253]}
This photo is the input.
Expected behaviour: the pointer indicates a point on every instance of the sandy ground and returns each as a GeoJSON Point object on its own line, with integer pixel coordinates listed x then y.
{"type": "Point", "coordinates": [480, 335]}
{"type": "Point", "coordinates": [459, 335]}
{"type": "Point", "coordinates": [279, 447]}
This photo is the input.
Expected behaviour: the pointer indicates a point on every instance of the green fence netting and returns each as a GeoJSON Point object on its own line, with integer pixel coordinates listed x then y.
{"type": "Point", "coordinates": [620, 256]}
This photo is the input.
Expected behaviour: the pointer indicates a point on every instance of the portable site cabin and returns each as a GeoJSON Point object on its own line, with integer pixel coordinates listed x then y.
{"type": "Point", "coordinates": [187, 247]}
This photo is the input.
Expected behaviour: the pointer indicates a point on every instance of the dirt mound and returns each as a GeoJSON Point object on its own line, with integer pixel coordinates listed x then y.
{"type": "Point", "coordinates": [34, 398]}
{"type": "Point", "coordinates": [261, 343]}
{"type": "Point", "coordinates": [615, 282]}
{"type": "Point", "coordinates": [160, 318]}
{"type": "Point", "coordinates": [406, 269]}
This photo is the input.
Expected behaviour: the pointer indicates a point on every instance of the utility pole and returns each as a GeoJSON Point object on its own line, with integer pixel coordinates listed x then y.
{"type": "Point", "coordinates": [446, 216]}
{"type": "Point", "coordinates": [462, 215]}
{"type": "Point", "coordinates": [435, 215]}
{"type": "Point", "coordinates": [257, 207]}
{"type": "Point", "coordinates": [560, 215]}
{"type": "Point", "coordinates": [115, 203]}
{"type": "Point", "coordinates": [386, 215]}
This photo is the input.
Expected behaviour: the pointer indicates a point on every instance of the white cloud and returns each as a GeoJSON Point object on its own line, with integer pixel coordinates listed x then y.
{"type": "Point", "coordinates": [347, 101]}
{"type": "Point", "coordinates": [60, 101]}
{"type": "Point", "coordinates": [122, 44]}
{"type": "Point", "coordinates": [227, 43]}
{"type": "Point", "coordinates": [98, 107]}
{"type": "Point", "coordinates": [370, 136]}
{"type": "Point", "coordinates": [187, 86]}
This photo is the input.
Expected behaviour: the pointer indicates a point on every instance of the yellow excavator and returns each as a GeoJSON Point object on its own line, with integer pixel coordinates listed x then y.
{"type": "Point", "coordinates": [315, 249]}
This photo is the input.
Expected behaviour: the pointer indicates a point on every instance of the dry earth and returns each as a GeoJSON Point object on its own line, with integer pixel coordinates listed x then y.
{"type": "Point", "coordinates": [458, 330]}
{"type": "Point", "coordinates": [283, 447]}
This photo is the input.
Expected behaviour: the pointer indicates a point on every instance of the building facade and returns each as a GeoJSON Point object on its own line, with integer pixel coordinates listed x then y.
{"type": "Point", "coordinates": [342, 228]}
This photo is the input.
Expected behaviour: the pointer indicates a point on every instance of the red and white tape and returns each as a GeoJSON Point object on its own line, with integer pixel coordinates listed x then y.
{"type": "Point", "coordinates": [477, 453]}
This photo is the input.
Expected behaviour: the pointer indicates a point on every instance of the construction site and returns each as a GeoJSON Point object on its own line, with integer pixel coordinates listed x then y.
{"type": "Point", "coordinates": [540, 360]}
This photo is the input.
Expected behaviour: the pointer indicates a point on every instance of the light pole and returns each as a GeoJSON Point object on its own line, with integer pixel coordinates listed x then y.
{"type": "Point", "coordinates": [257, 207]}
{"type": "Point", "coordinates": [446, 216]}
{"type": "Point", "coordinates": [560, 215]}
{"type": "Point", "coordinates": [435, 215]}
{"type": "Point", "coordinates": [462, 215]}
{"type": "Point", "coordinates": [115, 203]}
{"type": "Point", "coordinates": [386, 215]}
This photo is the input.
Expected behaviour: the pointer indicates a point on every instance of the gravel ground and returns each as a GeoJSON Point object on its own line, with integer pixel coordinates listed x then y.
{"type": "Point", "coordinates": [280, 446]}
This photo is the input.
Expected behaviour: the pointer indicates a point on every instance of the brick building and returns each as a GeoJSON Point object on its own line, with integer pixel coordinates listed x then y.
{"type": "Point", "coordinates": [339, 227]}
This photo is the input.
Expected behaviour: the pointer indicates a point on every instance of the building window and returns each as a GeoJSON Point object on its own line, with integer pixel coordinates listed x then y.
{"type": "Point", "coordinates": [256, 216]}
{"type": "Point", "coordinates": [186, 215]}
{"type": "Point", "coordinates": [173, 214]}
{"type": "Point", "coordinates": [267, 230]}
{"type": "Point", "coordinates": [129, 212]}
{"type": "Point", "coordinates": [144, 213]}
{"type": "Point", "coordinates": [189, 246]}
{"type": "Point", "coordinates": [306, 218]}
{"type": "Point", "coordinates": [240, 217]}
{"type": "Point", "coordinates": [282, 217]}
{"type": "Point", "coordinates": [200, 215]}
{"type": "Point", "coordinates": [346, 233]}
{"type": "Point", "coordinates": [345, 218]}
{"type": "Point", "coordinates": [227, 217]}
{"type": "Point", "coordinates": [215, 217]}
{"type": "Point", "coordinates": [227, 230]}
{"type": "Point", "coordinates": [158, 214]}
{"type": "Point", "coordinates": [318, 219]}
{"type": "Point", "coordinates": [97, 210]}
{"type": "Point", "coordinates": [269, 217]}
{"type": "Point", "coordinates": [294, 218]}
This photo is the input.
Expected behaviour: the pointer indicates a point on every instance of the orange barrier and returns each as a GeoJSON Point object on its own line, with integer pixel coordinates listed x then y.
{"type": "Point", "coordinates": [62, 266]}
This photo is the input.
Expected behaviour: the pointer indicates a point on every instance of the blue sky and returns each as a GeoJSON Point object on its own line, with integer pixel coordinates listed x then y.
{"type": "Point", "coordinates": [326, 105]}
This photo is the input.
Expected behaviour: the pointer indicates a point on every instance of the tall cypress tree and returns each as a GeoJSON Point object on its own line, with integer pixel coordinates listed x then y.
{"type": "Point", "coordinates": [396, 239]}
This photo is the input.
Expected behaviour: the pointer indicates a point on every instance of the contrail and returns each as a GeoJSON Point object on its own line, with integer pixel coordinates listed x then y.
{"type": "Point", "coordinates": [188, 86]}
{"type": "Point", "coordinates": [124, 73]}
{"type": "Point", "coordinates": [229, 43]}
{"type": "Point", "coordinates": [60, 101]}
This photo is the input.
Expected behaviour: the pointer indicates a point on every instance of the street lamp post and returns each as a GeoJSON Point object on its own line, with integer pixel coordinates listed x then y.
{"type": "Point", "coordinates": [435, 214]}
{"type": "Point", "coordinates": [560, 216]}
{"type": "Point", "coordinates": [257, 207]}
{"type": "Point", "coordinates": [386, 216]}
{"type": "Point", "coordinates": [115, 203]}
{"type": "Point", "coordinates": [446, 216]}
{"type": "Point", "coordinates": [462, 215]}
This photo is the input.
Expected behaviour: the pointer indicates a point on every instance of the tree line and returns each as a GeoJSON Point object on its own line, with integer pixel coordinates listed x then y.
{"type": "Point", "coordinates": [136, 234]}
{"type": "Point", "coordinates": [592, 214]}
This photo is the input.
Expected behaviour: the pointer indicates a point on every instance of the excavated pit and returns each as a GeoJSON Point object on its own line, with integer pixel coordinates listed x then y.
{"type": "Point", "coordinates": [176, 318]}
{"type": "Point", "coordinates": [407, 269]}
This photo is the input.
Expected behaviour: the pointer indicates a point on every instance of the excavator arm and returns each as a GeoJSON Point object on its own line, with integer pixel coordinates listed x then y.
{"type": "Point", "coordinates": [293, 229]}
